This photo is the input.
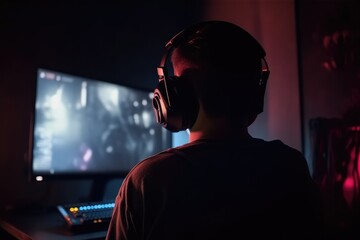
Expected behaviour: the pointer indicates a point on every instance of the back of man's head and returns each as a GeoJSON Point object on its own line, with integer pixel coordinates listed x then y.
{"type": "Point", "coordinates": [229, 60]}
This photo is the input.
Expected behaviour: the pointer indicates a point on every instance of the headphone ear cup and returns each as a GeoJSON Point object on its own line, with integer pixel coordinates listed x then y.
{"type": "Point", "coordinates": [259, 104]}
{"type": "Point", "coordinates": [175, 105]}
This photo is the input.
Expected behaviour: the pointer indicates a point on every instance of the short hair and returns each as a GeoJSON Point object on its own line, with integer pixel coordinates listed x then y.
{"type": "Point", "coordinates": [230, 62]}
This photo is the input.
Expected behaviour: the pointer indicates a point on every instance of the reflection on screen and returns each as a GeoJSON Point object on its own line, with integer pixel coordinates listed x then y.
{"type": "Point", "coordinates": [89, 126]}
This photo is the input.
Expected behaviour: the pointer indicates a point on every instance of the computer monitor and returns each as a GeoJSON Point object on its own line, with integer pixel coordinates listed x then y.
{"type": "Point", "coordinates": [86, 128]}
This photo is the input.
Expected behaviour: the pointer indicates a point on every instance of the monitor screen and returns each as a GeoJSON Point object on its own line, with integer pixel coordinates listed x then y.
{"type": "Point", "coordinates": [84, 127]}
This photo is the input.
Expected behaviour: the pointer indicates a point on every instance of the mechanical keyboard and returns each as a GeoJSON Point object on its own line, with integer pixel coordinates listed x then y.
{"type": "Point", "coordinates": [87, 216]}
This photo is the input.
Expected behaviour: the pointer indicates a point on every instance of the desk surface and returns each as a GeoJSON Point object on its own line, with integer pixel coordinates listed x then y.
{"type": "Point", "coordinates": [44, 226]}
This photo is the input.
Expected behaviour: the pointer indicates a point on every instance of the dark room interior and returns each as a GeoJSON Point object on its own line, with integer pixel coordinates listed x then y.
{"type": "Point", "coordinates": [313, 98]}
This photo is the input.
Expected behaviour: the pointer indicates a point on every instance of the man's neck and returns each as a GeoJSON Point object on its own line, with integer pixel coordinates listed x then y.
{"type": "Point", "coordinates": [218, 129]}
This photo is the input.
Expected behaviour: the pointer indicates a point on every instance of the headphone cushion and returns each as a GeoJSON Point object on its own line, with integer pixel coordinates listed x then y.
{"type": "Point", "coordinates": [177, 108]}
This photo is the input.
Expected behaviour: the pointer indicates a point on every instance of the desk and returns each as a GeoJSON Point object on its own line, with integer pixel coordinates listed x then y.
{"type": "Point", "coordinates": [44, 226]}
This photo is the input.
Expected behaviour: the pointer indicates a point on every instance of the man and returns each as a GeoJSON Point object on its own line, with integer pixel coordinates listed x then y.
{"type": "Point", "coordinates": [223, 184]}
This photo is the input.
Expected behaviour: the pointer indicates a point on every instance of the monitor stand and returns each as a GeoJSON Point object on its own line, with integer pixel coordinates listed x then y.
{"type": "Point", "coordinates": [104, 189]}
{"type": "Point", "coordinates": [97, 190]}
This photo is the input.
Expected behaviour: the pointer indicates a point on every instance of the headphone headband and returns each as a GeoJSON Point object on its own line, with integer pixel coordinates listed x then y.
{"type": "Point", "coordinates": [174, 103]}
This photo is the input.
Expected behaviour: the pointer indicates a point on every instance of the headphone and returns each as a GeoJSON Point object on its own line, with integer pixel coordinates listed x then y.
{"type": "Point", "coordinates": [174, 103]}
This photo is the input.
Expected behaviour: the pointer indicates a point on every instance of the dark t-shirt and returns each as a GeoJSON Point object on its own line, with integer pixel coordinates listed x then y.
{"type": "Point", "coordinates": [210, 189]}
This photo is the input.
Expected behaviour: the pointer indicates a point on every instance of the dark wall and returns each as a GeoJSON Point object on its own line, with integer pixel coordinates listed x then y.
{"type": "Point", "coordinates": [120, 43]}
{"type": "Point", "coordinates": [329, 35]}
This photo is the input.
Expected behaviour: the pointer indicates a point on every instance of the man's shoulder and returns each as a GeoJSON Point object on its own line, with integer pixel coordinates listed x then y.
{"type": "Point", "coordinates": [160, 164]}
{"type": "Point", "coordinates": [281, 147]}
